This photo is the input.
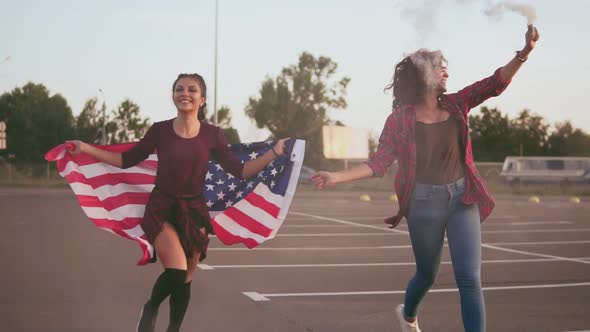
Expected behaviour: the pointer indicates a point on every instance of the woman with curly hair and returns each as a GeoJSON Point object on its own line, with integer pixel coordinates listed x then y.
{"type": "Point", "coordinates": [438, 187]}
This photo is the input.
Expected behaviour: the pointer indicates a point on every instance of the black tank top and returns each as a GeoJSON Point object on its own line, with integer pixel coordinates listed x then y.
{"type": "Point", "coordinates": [439, 153]}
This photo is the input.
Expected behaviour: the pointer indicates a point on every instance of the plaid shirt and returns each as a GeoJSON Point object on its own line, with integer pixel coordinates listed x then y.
{"type": "Point", "coordinates": [397, 143]}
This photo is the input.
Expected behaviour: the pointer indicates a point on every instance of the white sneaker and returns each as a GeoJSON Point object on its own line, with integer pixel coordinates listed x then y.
{"type": "Point", "coordinates": [403, 323]}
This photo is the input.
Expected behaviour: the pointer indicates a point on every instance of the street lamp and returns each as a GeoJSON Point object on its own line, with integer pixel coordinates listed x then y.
{"type": "Point", "coordinates": [104, 119]}
{"type": "Point", "coordinates": [215, 78]}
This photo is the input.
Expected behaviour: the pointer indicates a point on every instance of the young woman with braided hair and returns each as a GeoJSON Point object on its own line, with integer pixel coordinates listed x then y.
{"type": "Point", "coordinates": [176, 220]}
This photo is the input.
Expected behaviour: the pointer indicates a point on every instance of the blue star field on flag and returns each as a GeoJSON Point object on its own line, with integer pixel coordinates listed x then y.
{"type": "Point", "coordinates": [222, 189]}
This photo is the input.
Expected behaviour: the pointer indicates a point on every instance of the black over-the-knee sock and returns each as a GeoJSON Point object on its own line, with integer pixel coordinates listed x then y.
{"type": "Point", "coordinates": [179, 300]}
{"type": "Point", "coordinates": [166, 283]}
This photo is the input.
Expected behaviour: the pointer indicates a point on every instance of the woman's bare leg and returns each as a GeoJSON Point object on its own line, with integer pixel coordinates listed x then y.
{"type": "Point", "coordinates": [169, 250]}
{"type": "Point", "coordinates": [171, 281]}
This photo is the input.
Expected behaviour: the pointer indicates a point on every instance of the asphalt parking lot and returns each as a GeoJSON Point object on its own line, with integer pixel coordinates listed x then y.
{"type": "Point", "coordinates": [333, 266]}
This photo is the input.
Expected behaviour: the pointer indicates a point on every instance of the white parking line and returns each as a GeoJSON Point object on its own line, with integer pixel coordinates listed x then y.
{"type": "Point", "coordinates": [316, 226]}
{"type": "Point", "coordinates": [306, 248]}
{"type": "Point", "coordinates": [388, 247]}
{"type": "Point", "coordinates": [346, 222]}
{"type": "Point", "coordinates": [540, 242]}
{"type": "Point", "coordinates": [404, 226]}
{"type": "Point", "coordinates": [516, 223]}
{"type": "Point", "coordinates": [337, 234]}
{"type": "Point", "coordinates": [388, 231]}
{"type": "Point", "coordinates": [255, 266]}
{"type": "Point", "coordinates": [556, 230]}
{"type": "Point", "coordinates": [302, 218]}
{"type": "Point", "coordinates": [522, 223]}
{"type": "Point", "coordinates": [535, 254]}
{"type": "Point", "coordinates": [266, 297]}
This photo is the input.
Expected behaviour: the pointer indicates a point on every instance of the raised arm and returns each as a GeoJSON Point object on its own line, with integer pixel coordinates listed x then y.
{"type": "Point", "coordinates": [254, 166]}
{"type": "Point", "coordinates": [478, 92]}
{"type": "Point", "coordinates": [230, 163]}
{"type": "Point", "coordinates": [509, 70]}
{"type": "Point", "coordinates": [126, 159]}
{"type": "Point", "coordinates": [109, 157]}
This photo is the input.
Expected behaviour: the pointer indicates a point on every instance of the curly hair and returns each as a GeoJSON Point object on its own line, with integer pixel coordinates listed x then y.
{"type": "Point", "coordinates": [416, 74]}
{"type": "Point", "coordinates": [202, 85]}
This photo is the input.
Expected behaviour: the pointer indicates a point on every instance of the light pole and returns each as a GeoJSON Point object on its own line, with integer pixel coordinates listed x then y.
{"type": "Point", "coordinates": [104, 119]}
{"type": "Point", "coordinates": [215, 66]}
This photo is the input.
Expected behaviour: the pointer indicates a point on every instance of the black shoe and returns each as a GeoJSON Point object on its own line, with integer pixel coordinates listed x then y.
{"type": "Point", "coordinates": [147, 320]}
{"type": "Point", "coordinates": [172, 329]}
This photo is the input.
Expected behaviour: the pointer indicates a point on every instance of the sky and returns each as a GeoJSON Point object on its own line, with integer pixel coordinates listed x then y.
{"type": "Point", "coordinates": [135, 49]}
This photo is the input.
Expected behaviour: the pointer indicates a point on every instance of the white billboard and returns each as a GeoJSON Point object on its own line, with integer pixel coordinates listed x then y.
{"type": "Point", "coordinates": [345, 142]}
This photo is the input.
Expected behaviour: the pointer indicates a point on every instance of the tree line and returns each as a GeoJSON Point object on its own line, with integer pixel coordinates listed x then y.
{"type": "Point", "coordinates": [37, 121]}
{"type": "Point", "coordinates": [295, 104]}
{"type": "Point", "coordinates": [494, 136]}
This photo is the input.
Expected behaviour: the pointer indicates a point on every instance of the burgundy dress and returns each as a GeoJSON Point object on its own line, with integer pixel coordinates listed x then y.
{"type": "Point", "coordinates": [178, 197]}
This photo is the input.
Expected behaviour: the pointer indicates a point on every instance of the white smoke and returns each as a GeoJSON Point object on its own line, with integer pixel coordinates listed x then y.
{"type": "Point", "coordinates": [496, 11]}
{"type": "Point", "coordinates": [429, 64]}
{"type": "Point", "coordinates": [423, 14]}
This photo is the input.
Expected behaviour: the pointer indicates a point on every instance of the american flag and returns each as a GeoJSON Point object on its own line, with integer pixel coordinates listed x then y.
{"type": "Point", "coordinates": [247, 211]}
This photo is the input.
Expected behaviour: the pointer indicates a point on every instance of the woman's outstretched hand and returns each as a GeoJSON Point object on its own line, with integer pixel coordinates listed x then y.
{"type": "Point", "coordinates": [323, 179]}
{"type": "Point", "coordinates": [279, 147]}
{"type": "Point", "coordinates": [394, 221]}
{"type": "Point", "coordinates": [77, 146]}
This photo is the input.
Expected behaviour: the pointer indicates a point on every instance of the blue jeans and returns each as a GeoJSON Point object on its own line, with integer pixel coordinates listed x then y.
{"type": "Point", "coordinates": [434, 209]}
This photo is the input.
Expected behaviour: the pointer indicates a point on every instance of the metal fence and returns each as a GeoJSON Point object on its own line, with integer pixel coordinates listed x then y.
{"type": "Point", "coordinates": [47, 171]}
{"type": "Point", "coordinates": [37, 172]}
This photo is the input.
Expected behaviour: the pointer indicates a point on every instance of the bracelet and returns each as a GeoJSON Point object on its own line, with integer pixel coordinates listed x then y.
{"type": "Point", "coordinates": [273, 151]}
{"type": "Point", "coordinates": [521, 59]}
